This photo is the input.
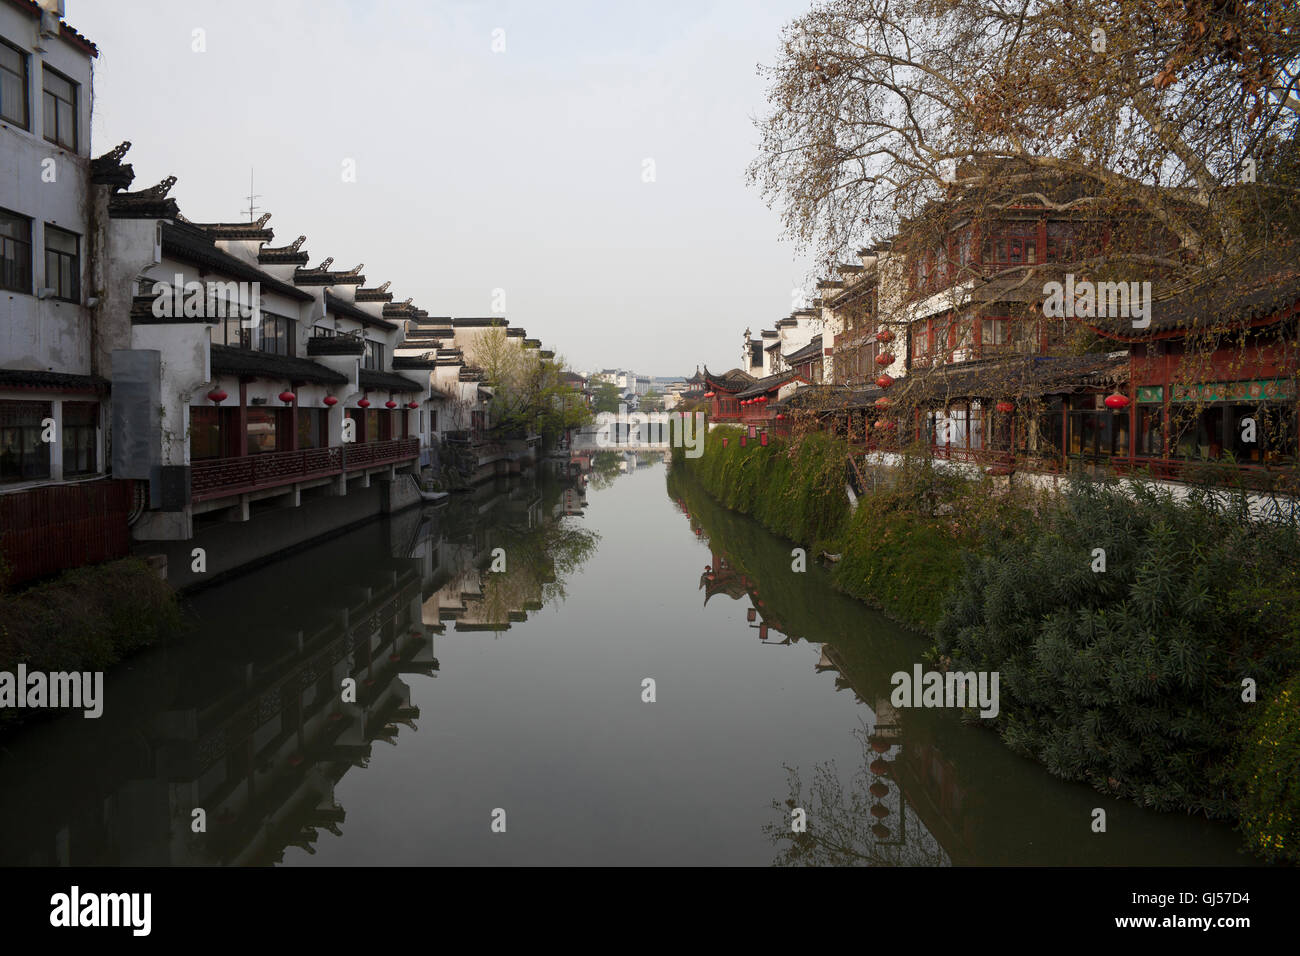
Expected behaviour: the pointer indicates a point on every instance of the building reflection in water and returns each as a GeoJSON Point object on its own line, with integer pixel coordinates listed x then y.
{"type": "Point", "coordinates": [245, 717]}
{"type": "Point", "coordinates": [898, 806]}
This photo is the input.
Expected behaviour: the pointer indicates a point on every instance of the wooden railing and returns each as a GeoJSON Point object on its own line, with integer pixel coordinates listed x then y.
{"type": "Point", "coordinates": [219, 477]}
{"type": "Point", "coordinates": [55, 527]}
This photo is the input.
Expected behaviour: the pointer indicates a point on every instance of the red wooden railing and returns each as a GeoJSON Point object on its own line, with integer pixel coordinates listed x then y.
{"type": "Point", "coordinates": [55, 527]}
{"type": "Point", "coordinates": [219, 477]}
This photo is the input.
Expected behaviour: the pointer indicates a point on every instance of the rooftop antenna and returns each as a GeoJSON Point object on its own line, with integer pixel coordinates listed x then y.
{"type": "Point", "coordinates": [252, 209]}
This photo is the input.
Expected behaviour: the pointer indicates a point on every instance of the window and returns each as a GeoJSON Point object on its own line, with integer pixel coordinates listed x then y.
{"type": "Point", "coordinates": [15, 252]}
{"type": "Point", "coordinates": [1098, 432]}
{"type": "Point", "coordinates": [262, 430]}
{"type": "Point", "coordinates": [1014, 245]}
{"type": "Point", "coordinates": [231, 331]}
{"type": "Point", "coordinates": [1150, 425]}
{"type": "Point", "coordinates": [60, 109]}
{"type": "Point", "coordinates": [63, 263]}
{"type": "Point", "coordinates": [313, 426]}
{"type": "Point", "coordinates": [13, 85]}
{"type": "Point", "coordinates": [278, 333]}
{"type": "Point", "coordinates": [212, 432]}
{"type": "Point", "coordinates": [80, 438]}
{"type": "Point", "coordinates": [374, 357]}
{"type": "Point", "coordinates": [23, 455]}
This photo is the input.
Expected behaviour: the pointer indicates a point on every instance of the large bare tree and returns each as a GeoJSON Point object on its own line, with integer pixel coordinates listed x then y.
{"type": "Point", "coordinates": [1163, 109]}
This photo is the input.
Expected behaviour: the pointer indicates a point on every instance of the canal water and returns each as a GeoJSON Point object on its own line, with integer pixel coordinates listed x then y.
{"type": "Point", "coordinates": [499, 649]}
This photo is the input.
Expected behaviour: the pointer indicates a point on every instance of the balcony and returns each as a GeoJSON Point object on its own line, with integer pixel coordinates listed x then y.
{"type": "Point", "coordinates": [223, 477]}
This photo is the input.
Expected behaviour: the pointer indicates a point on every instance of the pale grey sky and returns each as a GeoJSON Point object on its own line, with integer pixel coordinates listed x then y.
{"type": "Point", "coordinates": [520, 170]}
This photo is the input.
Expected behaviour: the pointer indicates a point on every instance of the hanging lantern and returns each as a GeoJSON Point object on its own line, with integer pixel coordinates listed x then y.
{"type": "Point", "coordinates": [780, 416]}
{"type": "Point", "coordinates": [882, 402]}
{"type": "Point", "coordinates": [880, 767]}
{"type": "Point", "coordinates": [724, 443]}
{"type": "Point", "coordinates": [762, 438]}
{"type": "Point", "coordinates": [884, 358]}
{"type": "Point", "coordinates": [888, 426]}
{"type": "Point", "coordinates": [879, 812]}
{"type": "Point", "coordinates": [1117, 401]}
{"type": "Point", "coordinates": [390, 404]}
{"type": "Point", "coordinates": [884, 381]}
{"type": "Point", "coordinates": [287, 397]}
{"type": "Point", "coordinates": [879, 789]}
{"type": "Point", "coordinates": [879, 746]}
{"type": "Point", "coordinates": [217, 395]}
{"type": "Point", "coordinates": [880, 831]}
{"type": "Point", "coordinates": [330, 401]}
{"type": "Point", "coordinates": [742, 441]}
{"type": "Point", "coordinates": [1006, 408]}
{"type": "Point", "coordinates": [412, 404]}
{"type": "Point", "coordinates": [708, 394]}
{"type": "Point", "coordinates": [364, 403]}
{"type": "Point", "coordinates": [884, 335]}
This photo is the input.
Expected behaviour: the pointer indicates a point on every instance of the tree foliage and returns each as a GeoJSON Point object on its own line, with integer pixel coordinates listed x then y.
{"type": "Point", "coordinates": [1130, 678]}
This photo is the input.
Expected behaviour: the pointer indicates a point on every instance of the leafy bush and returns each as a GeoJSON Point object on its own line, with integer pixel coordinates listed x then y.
{"type": "Point", "coordinates": [793, 489]}
{"type": "Point", "coordinates": [87, 619]}
{"type": "Point", "coordinates": [1130, 678]}
{"type": "Point", "coordinates": [1269, 784]}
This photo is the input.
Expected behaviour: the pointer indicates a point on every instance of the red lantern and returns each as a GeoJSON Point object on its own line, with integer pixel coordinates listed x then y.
{"type": "Point", "coordinates": [884, 381]}
{"type": "Point", "coordinates": [364, 403]}
{"type": "Point", "coordinates": [217, 395]}
{"type": "Point", "coordinates": [882, 402]}
{"type": "Point", "coordinates": [1117, 401]}
{"type": "Point", "coordinates": [412, 404]}
{"type": "Point", "coordinates": [762, 438]}
{"type": "Point", "coordinates": [884, 358]}
{"type": "Point", "coordinates": [330, 401]}
{"type": "Point", "coordinates": [1006, 408]}
{"type": "Point", "coordinates": [780, 416]}
{"type": "Point", "coordinates": [390, 404]}
{"type": "Point", "coordinates": [287, 397]}
{"type": "Point", "coordinates": [724, 443]}
{"type": "Point", "coordinates": [884, 335]}
{"type": "Point", "coordinates": [888, 426]}
{"type": "Point", "coordinates": [708, 394]}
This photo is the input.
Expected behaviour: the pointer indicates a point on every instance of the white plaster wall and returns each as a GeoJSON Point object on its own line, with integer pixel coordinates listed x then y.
{"type": "Point", "coordinates": [35, 334]}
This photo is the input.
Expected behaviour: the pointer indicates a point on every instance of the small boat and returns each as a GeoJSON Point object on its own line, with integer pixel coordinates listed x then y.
{"type": "Point", "coordinates": [427, 493]}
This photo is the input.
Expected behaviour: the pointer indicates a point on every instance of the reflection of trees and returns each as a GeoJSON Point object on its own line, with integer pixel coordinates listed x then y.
{"type": "Point", "coordinates": [539, 563]}
{"type": "Point", "coordinates": [604, 469]}
{"type": "Point", "coordinates": [869, 824]}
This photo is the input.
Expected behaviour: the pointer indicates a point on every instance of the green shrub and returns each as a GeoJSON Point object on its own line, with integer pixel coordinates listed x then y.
{"type": "Point", "coordinates": [1129, 679]}
{"type": "Point", "coordinates": [1268, 779]}
{"type": "Point", "coordinates": [87, 619]}
{"type": "Point", "coordinates": [793, 489]}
